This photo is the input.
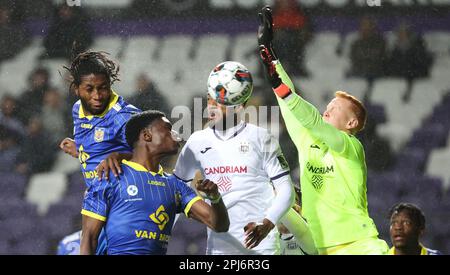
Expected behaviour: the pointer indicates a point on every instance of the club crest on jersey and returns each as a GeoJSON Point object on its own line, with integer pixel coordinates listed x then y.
{"type": "Point", "coordinates": [224, 184]}
{"type": "Point", "coordinates": [99, 134]}
{"type": "Point", "coordinates": [244, 148]}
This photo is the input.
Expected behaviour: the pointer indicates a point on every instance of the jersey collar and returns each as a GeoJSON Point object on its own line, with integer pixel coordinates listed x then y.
{"type": "Point", "coordinates": [423, 250]}
{"type": "Point", "coordinates": [136, 166]}
{"type": "Point", "coordinates": [112, 101]}
{"type": "Point", "coordinates": [237, 130]}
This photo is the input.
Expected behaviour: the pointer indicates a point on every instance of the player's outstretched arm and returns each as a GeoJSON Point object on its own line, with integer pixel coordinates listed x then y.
{"type": "Point", "coordinates": [89, 235]}
{"type": "Point", "coordinates": [295, 110]}
{"type": "Point", "coordinates": [298, 227]}
{"type": "Point", "coordinates": [111, 163]}
{"type": "Point", "coordinates": [265, 46]}
{"type": "Point", "coordinates": [69, 147]}
{"type": "Point", "coordinates": [270, 61]}
{"type": "Point", "coordinates": [215, 216]}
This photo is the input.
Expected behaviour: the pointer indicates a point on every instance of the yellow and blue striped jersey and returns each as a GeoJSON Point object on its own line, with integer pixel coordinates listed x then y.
{"type": "Point", "coordinates": [423, 251]}
{"type": "Point", "coordinates": [139, 208]}
{"type": "Point", "coordinates": [97, 136]}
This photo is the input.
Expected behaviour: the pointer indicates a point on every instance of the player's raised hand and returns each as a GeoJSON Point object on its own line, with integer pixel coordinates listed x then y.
{"type": "Point", "coordinates": [69, 147]}
{"type": "Point", "coordinates": [265, 45]}
{"type": "Point", "coordinates": [265, 35]}
{"type": "Point", "coordinates": [208, 190]}
{"type": "Point", "coordinates": [265, 29]}
{"type": "Point", "coordinates": [256, 232]}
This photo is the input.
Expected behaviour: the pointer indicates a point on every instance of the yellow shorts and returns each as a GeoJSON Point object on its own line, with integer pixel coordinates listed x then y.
{"type": "Point", "coordinates": [370, 246]}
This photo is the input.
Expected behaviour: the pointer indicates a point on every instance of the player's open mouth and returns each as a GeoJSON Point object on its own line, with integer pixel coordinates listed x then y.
{"type": "Point", "coordinates": [398, 237]}
{"type": "Point", "coordinates": [97, 106]}
{"type": "Point", "coordinates": [212, 113]}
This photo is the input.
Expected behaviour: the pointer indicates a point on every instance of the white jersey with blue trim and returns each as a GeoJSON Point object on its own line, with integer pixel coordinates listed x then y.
{"type": "Point", "coordinates": [289, 245]}
{"type": "Point", "coordinates": [245, 162]}
{"type": "Point", "coordinates": [70, 245]}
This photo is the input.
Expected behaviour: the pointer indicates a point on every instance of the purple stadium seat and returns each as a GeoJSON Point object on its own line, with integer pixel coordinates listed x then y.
{"type": "Point", "coordinates": [446, 245]}
{"type": "Point", "coordinates": [15, 207]}
{"type": "Point", "coordinates": [4, 247]}
{"type": "Point", "coordinates": [376, 112]}
{"type": "Point", "coordinates": [411, 160]}
{"type": "Point", "coordinates": [201, 243]}
{"type": "Point", "coordinates": [19, 227]}
{"type": "Point", "coordinates": [440, 115]}
{"type": "Point", "coordinates": [423, 190]}
{"type": "Point", "coordinates": [385, 184]}
{"type": "Point", "coordinates": [429, 136]}
{"type": "Point", "coordinates": [430, 188]}
{"type": "Point", "coordinates": [73, 199]}
{"type": "Point", "coordinates": [64, 208]}
{"type": "Point", "coordinates": [33, 245]}
{"type": "Point", "coordinates": [8, 156]}
{"type": "Point", "coordinates": [189, 228]}
{"type": "Point", "coordinates": [177, 245]}
{"type": "Point", "coordinates": [76, 184]}
{"type": "Point", "coordinates": [381, 202]}
{"type": "Point", "coordinates": [438, 223]}
{"type": "Point", "coordinates": [58, 226]}
{"type": "Point", "coordinates": [12, 185]}
{"type": "Point", "coordinates": [4, 228]}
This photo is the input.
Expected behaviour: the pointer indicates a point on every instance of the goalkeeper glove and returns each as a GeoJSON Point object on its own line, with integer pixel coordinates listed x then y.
{"type": "Point", "coordinates": [267, 53]}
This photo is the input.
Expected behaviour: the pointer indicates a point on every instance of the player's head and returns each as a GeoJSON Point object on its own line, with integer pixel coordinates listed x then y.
{"type": "Point", "coordinates": [230, 85]}
{"type": "Point", "coordinates": [219, 113]}
{"type": "Point", "coordinates": [92, 75]}
{"type": "Point", "coordinates": [154, 131]}
{"type": "Point", "coordinates": [346, 113]}
{"type": "Point", "coordinates": [407, 224]}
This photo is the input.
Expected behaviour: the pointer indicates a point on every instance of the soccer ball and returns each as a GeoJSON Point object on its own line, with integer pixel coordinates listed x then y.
{"type": "Point", "coordinates": [230, 83]}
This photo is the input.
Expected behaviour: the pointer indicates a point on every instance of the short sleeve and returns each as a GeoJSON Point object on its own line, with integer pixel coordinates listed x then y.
{"type": "Point", "coordinates": [95, 203]}
{"type": "Point", "coordinates": [186, 195]}
{"type": "Point", "coordinates": [120, 122]}
{"type": "Point", "coordinates": [275, 164]}
{"type": "Point", "coordinates": [186, 164]}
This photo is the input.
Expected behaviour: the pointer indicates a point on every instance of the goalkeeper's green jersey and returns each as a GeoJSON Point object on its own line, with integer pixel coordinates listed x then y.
{"type": "Point", "coordinates": [333, 173]}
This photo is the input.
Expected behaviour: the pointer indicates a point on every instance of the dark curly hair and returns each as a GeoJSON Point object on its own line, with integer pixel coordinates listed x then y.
{"type": "Point", "coordinates": [414, 212]}
{"type": "Point", "coordinates": [92, 62]}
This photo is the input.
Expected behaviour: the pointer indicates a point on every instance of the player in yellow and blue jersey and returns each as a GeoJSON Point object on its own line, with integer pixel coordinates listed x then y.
{"type": "Point", "coordinates": [99, 115]}
{"type": "Point", "coordinates": [138, 208]}
{"type": "Point", "coordinates": [407, 226]}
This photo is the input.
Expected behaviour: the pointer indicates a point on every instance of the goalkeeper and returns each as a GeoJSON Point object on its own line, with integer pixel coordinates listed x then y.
{"type": "Point", "coordinates": [332, 163]}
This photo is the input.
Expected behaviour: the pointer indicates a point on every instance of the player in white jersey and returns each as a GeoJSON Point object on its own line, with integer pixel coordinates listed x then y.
{"type": "Point", "coordinates": [70, 245]}
{"type": "Point", "coordinates": [247, 164]}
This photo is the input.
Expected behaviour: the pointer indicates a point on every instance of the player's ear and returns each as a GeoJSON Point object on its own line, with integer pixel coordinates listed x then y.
{"type": "Point", "coordinates": [147, 135]}
{"type": "Point", "coordinates": [76, 90]}
{"type": "Point", "coordinates": [239, 108]}
{"type": "Point", "coordinates": [352, 123]}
